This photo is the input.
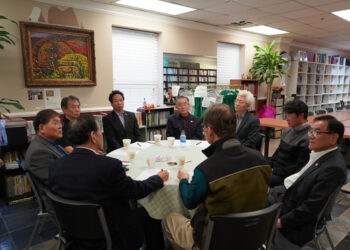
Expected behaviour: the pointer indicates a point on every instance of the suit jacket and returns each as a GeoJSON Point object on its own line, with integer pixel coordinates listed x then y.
{"type": "Point", "coordinates": [248, 131]}
{"type": "Point", "coordinates": [64, 141]}
{"type": "Point", "coordinates": [86, 176]}
{"type": "Point", "coordinates": [39, 157]}
{"type": "Point", "coordinates": [115, 132]}
{"type": "Point", "coordinates": [194, 129]}
{"type": "Point", "coordinates": [304, 200]}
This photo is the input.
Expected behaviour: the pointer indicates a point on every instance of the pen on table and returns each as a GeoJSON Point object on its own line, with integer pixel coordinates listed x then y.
{"type": "Point", "coordinates": [138, 144]}
{"type": "Point", "coordinates": [198, 143]}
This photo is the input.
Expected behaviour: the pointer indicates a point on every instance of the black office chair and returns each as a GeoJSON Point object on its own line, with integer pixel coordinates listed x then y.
{"type": "Point", "coordinates": [310, 113]}
{"type": "Point", "coordinates": [329, 110]}
{"type": "Point", "coordinates": [243, 231]}
{"type": "Point", "coordinates": [43, 213]}
{"type": "Point", "coordinates": [323, 217]}
{"type": "Point", "coordinates": [339, 108]}
{"type": "Point", "coordinates": [80, 220]}
{"type": "Point", "coordinates": [320, 111]}
{"type": "Point", "coordinates": [261, 142]}
{"type": "Point", "coordinates": [342, 104]}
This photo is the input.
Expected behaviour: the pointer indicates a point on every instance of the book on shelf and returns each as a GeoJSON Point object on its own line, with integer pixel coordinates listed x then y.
{"type": "Point", "coordinates": [249, 86]}
{"type": "Point", "coordinates": [152, 132]}
{"type": "Point", "coordinates": [17, 185]}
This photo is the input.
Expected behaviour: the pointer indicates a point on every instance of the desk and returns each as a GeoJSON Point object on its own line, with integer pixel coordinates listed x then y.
{"type": "Point", "coordinates": [167, 199]}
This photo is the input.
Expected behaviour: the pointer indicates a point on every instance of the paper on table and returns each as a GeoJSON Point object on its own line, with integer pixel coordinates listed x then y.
{"type": "Point", "coordinates": [203, 144]}
{"type": "Point", "coordinates": [146, 174]}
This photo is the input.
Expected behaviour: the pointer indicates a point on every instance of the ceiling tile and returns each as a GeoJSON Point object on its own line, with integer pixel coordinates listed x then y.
{"type": "Point", "coordinates": [218, 20]}
{"type": "Point", "coordinates": [270, 19]}
{"type": "Point", "coordinates": [337, 38]}
{"type": "Point", "coordinates": [250, 15]}
{"type": "Point", "coordinates": [197, 4]}
{"type": "Point", "coordinates": [284, 24]}
{"type": "Point", "coordinates": [341, 5]}
{"type": "Point", "coordinates": [259, 3]}
{"type": "Point", "coordinates": [322, 19]}
{"type": "Point", "coordinates": [228, 8]}
{"type": "Point", "coordinates": [197, 15]}
{"type": "Point", "coordinates": [298, 28]}
{"type": "Point", "coordinates": [316, 2]}
{"type": "Point", "coordinates": [301, 13]}
{"type": "Point", "coordinates": [283, 7]}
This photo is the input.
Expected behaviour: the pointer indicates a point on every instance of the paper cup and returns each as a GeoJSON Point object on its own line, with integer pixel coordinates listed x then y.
{"type": "Point", "coordinates": [171, 141]}
{"type": "Point", "coordinates": [126, 143]}
{"type": "Point", "coordinates": [151, 161]}
{"type": "Point", "coordinates": [157, 138]}
{"type": "Point", "coordinates": [181, 160]}
{"type": "Point", "coordinates": [131, 154]}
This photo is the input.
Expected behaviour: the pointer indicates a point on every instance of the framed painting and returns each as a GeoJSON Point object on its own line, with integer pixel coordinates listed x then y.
{"type": "Point", "coordinates": [57, 56]}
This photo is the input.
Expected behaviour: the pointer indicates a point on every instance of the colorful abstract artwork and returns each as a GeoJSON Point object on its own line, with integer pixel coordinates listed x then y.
{"type": "Point", "coordinates": [57, 56]}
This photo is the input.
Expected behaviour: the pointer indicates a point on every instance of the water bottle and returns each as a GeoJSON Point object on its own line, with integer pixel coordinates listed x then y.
{"type": "Point", "coordinates": [183, 139]}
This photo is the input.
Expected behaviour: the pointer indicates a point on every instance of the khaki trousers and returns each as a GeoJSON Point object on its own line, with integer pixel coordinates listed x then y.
{"type": "Point", "coordinates": [179, 232]}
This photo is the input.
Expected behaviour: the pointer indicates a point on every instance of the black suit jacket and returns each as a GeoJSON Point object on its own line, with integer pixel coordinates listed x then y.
{"type": "Point", "coordinates": [194, 129]}
{"type": "Point", "coordinates": [115, 132]}
{"type": "Point", "coordinates": [86, 176]}
{"type": "Point", "coordinates": [248, 131]}
{"type": "Point", "coordinates": [304, 200]}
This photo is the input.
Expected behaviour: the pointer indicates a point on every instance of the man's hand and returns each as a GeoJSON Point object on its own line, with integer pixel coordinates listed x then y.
{"type": "Point", "coordinates": [164, 174]}
{"type": "Point", "coordinates": [69, 149]}
{"type": "Point", "coordinates": [182, 175]}
{"type": "Point", "coordinates": [278, 224]}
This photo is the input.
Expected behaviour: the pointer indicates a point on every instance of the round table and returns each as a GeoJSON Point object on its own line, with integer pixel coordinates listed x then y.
{"type": "Point", "coordinates": [167, 199]}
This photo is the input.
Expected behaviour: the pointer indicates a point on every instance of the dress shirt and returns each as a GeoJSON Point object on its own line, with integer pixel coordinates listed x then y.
{"type": "Point", "coordinates": [55, 144]}
{"type": "Point", "coordinates": [121, 118]}
{"type": "Point", "coordinates": [314, 156]}
{"type": "Point", "coordinates": [239, 119]}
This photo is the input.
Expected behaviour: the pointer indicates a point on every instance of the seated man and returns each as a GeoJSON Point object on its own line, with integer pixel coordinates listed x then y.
{"type": "Point", "coordinates": [233, 179]}
{"type": "Point", "coordinates": [70, 106]}
{"type": "Point", "coordinates": [119, 124]}
{"type": "Point", "coordinates": [183, 120]}
{"type": "Point", "coordinates": [43, 149]}
{"type": "Point", "coordinates": [305, 193]}
{"type": "Point", "coordinates": [247, 130]}
{"type": "Point", "coordinates": [292, 153]}
{"type": "Point", "coordinates": [169, 98]}
{"type": "Point", "coordinates": [84, 175]}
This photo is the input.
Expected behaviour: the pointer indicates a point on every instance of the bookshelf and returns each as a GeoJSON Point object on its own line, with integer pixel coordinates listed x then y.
{"type": "Point", "coordinates": [154, 121]}
{"type": "Point", "coordinates": [188, 76]}
{"type": "Point", "coordinates": [320, 81]}
{"type": "Point", "coordinates": [251, 85]}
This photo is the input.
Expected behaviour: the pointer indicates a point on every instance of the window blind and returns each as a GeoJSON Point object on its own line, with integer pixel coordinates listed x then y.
{"type": "Point", "coordinates": [227, 63]}
{"type": "Point", "coordinates": [136, 67]}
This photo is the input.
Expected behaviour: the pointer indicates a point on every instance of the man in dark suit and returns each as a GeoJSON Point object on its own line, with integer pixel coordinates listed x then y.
{"type": "Point", "coordinates": [87, 176]}
{"type": "Point", "coordinates": [247, 130]}
{"type": "Point", "coordinates": [306, 192]}
{"type": "Point", "coordinates": [183, 120]}
{"type": "Point", "coordinates": [119, 124]}
{"type": "Point", "coordinates": [43, 149]}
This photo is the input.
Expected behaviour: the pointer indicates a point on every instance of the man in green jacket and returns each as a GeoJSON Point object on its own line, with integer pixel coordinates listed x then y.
{"type": "Point", "coordinates": [232, 173]}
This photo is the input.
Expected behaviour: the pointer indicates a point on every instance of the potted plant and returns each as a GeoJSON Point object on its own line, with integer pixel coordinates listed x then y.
{"type": "Point", "coordinates": [267, 66]}
{"type": "Point", "coordinates": [5, 36]}
{"type": "Point", "coordinates": [9, 102]}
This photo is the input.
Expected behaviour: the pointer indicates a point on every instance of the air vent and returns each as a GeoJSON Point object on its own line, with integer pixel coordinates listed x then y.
{"type": "Point", "coordinates": [241, 23]}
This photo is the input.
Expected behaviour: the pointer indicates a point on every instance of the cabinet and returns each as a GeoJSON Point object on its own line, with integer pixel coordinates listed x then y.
{"type": "Point", "coordinates": [251, 85]}
{"type": "Point", "coordinates": [155, 121]}
{"type": "Point", "coordinates": [320, 85]}
{"type": "Point", "coordinates": [188, 76]}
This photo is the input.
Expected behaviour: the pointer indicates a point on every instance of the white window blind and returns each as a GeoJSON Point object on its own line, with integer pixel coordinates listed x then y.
{"type": "Point", "coordinates": [227, 63]}
{"type": "Point", "coordinates": [136, 67]}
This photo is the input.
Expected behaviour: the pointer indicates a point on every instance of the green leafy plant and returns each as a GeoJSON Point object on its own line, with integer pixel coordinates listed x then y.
{"type": "Point", "coordinates": [267, 66]}
{"type": "Point", "coordinates": [9, 102]}
{"type": "Point", "coordinates": [5, 36]}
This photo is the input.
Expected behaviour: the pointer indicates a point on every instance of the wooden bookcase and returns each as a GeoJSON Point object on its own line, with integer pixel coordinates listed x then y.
{"type": "Point", "coordinates": [155, 121]}
{"type": "Point", "coordinates": [251, 85]}
{"type": "Point", "coordinates": [188, 76]}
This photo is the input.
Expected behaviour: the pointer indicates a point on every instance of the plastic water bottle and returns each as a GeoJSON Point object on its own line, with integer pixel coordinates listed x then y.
{"type": "Point", "coordinates": [182, 139]}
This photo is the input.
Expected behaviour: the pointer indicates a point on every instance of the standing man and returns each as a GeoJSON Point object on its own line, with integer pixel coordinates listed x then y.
{"type": "Point", "coordinates": [86, 176]}
{"type": "Point", "coordinates": [247, 130]}
{"type": "Point", "coordinates": [293, 152]}
{"type": "Point", "coordinates": [70, 106]}
{"type": "Point", "coordinates": [120, 124]}
{"type": "Point", "coordinates": [44, 149]}
{"type": "Point", "coordinates": [233, 179]}
{"type": "Point", "coordinates": [183, 120]}
{"type": "Point", "coordinates": [305, 193]}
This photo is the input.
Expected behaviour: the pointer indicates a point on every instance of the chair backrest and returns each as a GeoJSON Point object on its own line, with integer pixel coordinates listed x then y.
{"type": "Point", "coordinates": [321, 111]}
{"type": "Point", "coordinates": [37, 193]}
{"type": "Point", "coordinates": [329, 110]}
{"type": "Point", "coordinates": [342, 104]}
{"type": "Point", "coordinates": [244, 231]}
{"type": "Point", "coordinates": [261, 142]}
{"type": "Point", "coordinates": [80, 220]}
{"type": "Point", "coordinates": [327, 209]}
{"type": "Point", "coordinates": [310, 113]}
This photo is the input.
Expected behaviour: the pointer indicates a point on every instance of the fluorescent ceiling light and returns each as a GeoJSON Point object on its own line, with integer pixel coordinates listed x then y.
{"type": "Point", "coordinates": [156, 5]}
{"type": "Point", "coordinates": [345, 14]}
{"type": "Point", "coordinates": [262, 29]}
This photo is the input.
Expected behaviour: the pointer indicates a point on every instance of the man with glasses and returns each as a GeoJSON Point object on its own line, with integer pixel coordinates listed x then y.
{"type": "Point", "coordinates": [44, 149]}
{"type": "Point", "coordinates": [247, 130]}
{"type": "Point", "coordinates": [306, 192]}
{"type": "Point", "coordinates": [292, 153]}
{"type": "Point", "coordinates": [183, 120]}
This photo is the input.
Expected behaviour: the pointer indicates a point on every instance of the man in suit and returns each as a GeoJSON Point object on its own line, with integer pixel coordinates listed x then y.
{"type": "Point", "coordinates": [43, 149]}
{"type": "Point", "coordinates": [119, 124]}
{"type": "Point", "coordinates": [102, 180]}
{"type": "Point", "coordinates": [305, 193]}
{"type": "Point", "coordinates": [247, 130]}
{"type": "Point", "coordinates": [293, 152]}
{"type": "Point", "coordinates": [70, 106]}
{"type": "Point", "coordinates": [183, 120]}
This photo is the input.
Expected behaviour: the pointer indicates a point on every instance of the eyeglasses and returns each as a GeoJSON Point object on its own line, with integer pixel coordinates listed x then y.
{"type": "Point", "coordinates": [316, 133]}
